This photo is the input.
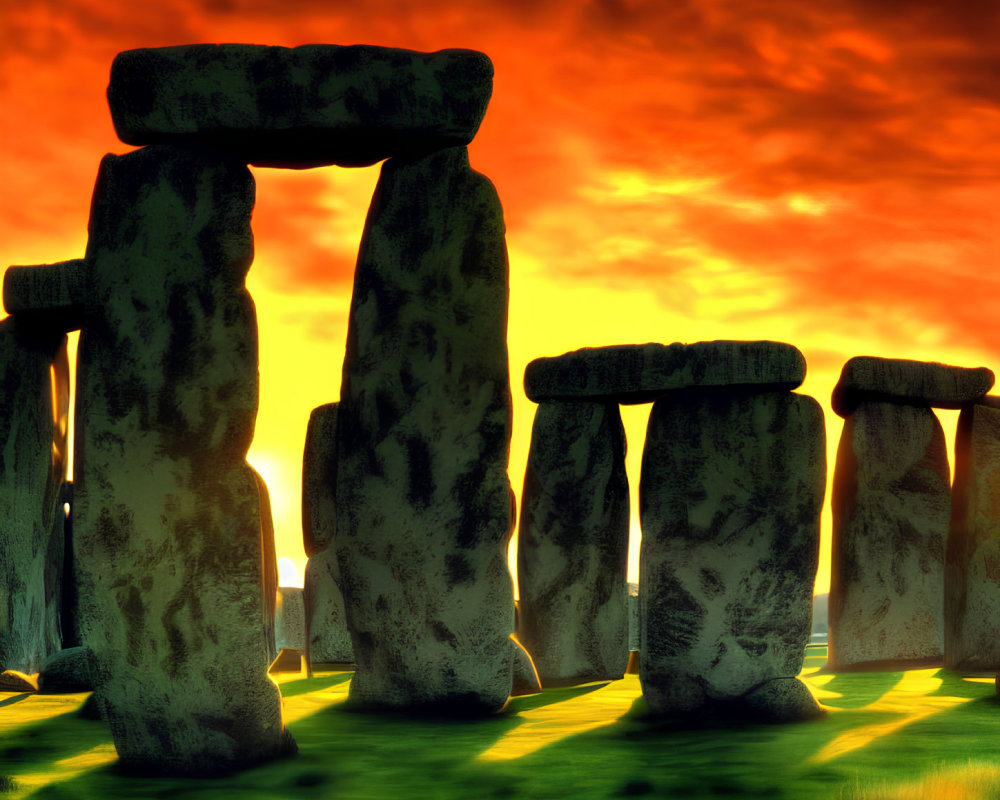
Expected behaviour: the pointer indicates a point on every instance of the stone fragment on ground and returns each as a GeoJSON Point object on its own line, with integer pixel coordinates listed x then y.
{"type": "Point", "coordinates": [730, 495]}
{"type": "Point", "coordinates": [900, 380]}
{"type": "Point", "coordinates": [65, 672]}
{"type": "Point", "coordinates": [972, 563]}
{"type": "Point", "coordinates": [167, 511]}
{"type": "Point", "coordinates": [572, 555]}
{"type": "Point", "coordinates": [640, 373]}
{"type": "Point", "coordinates": [307, 106]}
{"type": "Point", "coordinates": [31, 474]}
{"type": "Point", "coordinates": [891, 513]}
{"type": "Point", "coordinates": [424, 506]}
{"type": "Point", "coordinates": [13, 680]}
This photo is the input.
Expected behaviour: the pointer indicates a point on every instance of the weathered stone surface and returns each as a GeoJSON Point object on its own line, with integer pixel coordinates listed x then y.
{"type": "Point", "coordinates": [269, 567]}
{"type": "Point", "coordinates": [13, 680]}
{"type": "Point", "coordinates": [424, 507]}
{"type": "Point", "coordinates": [572, 554]}
{"type": "Point", "coordinates": [66, 671]}
{"type": "Point", "coordinates": [891, 509]}
{"type": "Point", "coordinates": [328, 641]}
{"type": "Point", "coordinates": [167, 511]}
{"type": "Point", "coordinates": [640, 373]}
{"type": "Point", "coordinates": [972, 565]}
{"type": "Point", "coordinates": [633, 616]}
{"type": "Point", "coordinates": [300, 107]}
{"type": "Point", "coordinates": [730, 499]}
{"type": "Point", "coordinates": [32, 468]}
{"type": "Point", "coordinates": [319, 479]}
{"type": "Point", "coordinates": [290, 619]}
{"type": "Point", "coordinates": [918, 382]}
{"type": "Point", "coordinates": [50, 292]}
{"type": "Point", "coordinates": [525, 676]}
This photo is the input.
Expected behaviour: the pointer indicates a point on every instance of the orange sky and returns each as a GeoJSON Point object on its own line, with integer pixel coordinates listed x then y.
{"type": "Point", "coordinates": [822, 174]}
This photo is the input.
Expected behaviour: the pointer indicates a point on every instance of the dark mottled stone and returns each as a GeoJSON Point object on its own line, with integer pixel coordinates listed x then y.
{"type": "Point", "coordinates": [524, 673]}
{"type": "Point", "coordinates": [319, 479]}
{"type": "Point", "coordinates": [572, 554]}
{"type": "Point", "coordinates": [167, 511]}
{"type": "Point", "coordinates": [328, 641]}
{"type": "Point", "coordinates": [32, 469]}
{"type": "Point", "coordinates": [51, 294]}
{"type": "Point", "coordinates": [303, 106]}
{"type": "Point", "coordinates": [269, 567]}
{"type": "Point", "coordinates": [972, 564]}
{"type": "Point", "coordinates": [730, 497]}
{"type": "Point", "coordinates": [13, 680]}
{"type": "Point", "coordinates": [925, 383]}
{"type": "Point", "coordinates": [891, 509]}
{"type": "Point", "coordinates": [426, 362]}
{"type": "Point", "coordinates": [66, 671]}
{"type": "Point", "coordinates": [640, 373]}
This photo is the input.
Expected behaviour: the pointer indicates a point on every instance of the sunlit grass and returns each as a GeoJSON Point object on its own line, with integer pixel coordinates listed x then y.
{"type": "Point", "coordinates": [921, 733]}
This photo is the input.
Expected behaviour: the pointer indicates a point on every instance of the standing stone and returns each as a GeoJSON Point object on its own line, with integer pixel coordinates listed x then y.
{"type": "Point", "coordinates": [572, 555]}
{"type": "Point", "coordinates": [301, 106]}
{"type": "Point", "coordinates": [424, 507]}
{"type": "Point", "coordinates": [269, 566]}
{"type": "Point", "coordinates": [327, 639]}
{"type": "Point", "coordinates": [972, 569]}
{"type": "Point", "coordinates": [167, 511]}
{"type": "Point", "coordinates": [290, 619]}
{"type": "Point", "coordinates": [730, 497]}
{"type": "Point", "coordinates": [891, 510]}
{"type": "Point", "coordinates": [32, 468]}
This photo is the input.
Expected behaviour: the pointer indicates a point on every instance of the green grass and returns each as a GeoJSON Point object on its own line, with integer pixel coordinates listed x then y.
{"type": "Point", "coordinates": [887, 736]}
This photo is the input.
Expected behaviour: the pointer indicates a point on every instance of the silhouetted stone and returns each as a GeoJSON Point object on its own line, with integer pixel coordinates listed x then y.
{"type": "Point", "coordinates": [923, 383]}
{"type": "Point", "coordinates": [32, 470]}
{"type": "Point", "coordinates": [640, 373]}
{"type": "Point", "coordinates": [300, 107]}
{"type": "Point", "coordinates": [730, 497]}
{"type": "Point", "coordinates": [424, 507]}
{"type": "Point", "coordinates": [269, 567]}
{"type": "Point", "coordinates": [319, 479]}
{"type": "Point", "coordinates": [891, 509]}
{"type": "Point", "coordinates": [328, 641]}
{"type": "Point", "coordinates": [54, 293]}
{"type": "Point", "coordinates": [65, 672]}
{"type": "Point", "coordinates": [167, 511]}
{"type": "Point", "coordinates": [13, 680]}
{"type": "Point", "coordinates": [572, 554]}
{"type": "Point", "coordinates": [290, 619]}
{"type": "Point", "coordinates": [972, 569]}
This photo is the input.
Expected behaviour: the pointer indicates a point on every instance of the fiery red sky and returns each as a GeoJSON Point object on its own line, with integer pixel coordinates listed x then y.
{"type": "Point", "coordinates": [821, 174]}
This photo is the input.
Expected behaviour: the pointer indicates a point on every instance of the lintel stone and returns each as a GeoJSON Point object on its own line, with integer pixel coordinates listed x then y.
{"type": "Point", "coordinates": [54, 292]}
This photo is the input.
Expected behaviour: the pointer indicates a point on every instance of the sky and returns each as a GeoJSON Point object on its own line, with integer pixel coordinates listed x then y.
{"type": "Point", "coordinates": [820, 174]}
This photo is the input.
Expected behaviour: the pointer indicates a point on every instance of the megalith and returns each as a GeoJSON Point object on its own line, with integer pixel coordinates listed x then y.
{"type": "Point", "coordinates": [572, 555]}
{"type": "Point", "coordinates": [730, 497]}
{"type": "Point", "coordinates": [891, 511]}
{"type": "Point", "coordinates": [424, 507]}
{"type": "Point", "coordinates": [327, 639]}
{"type": "Point", "coordinates": [167, 512]}
{"type": "Point", "coordinates": [33, 408]}
{"type": "Point", "coordinates": [972, 557]}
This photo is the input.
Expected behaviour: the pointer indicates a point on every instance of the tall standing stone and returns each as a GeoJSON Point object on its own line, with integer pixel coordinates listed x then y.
{"type": "Point", "coordinates": [572, 555]}
{"type": "Point", "coordinates": [972, 569]}
{"type": "Point", "coordinates": [32, 469]}
{"type": "Point", "coordinates": [328, 640]}
{"type": "Point", "coordinates": [423, 499]}
{"type": "Point", "coordinates": [730, 497]}
{"type": "Point", "coordinates": [167, 512]}
{"type": "Point", "coordinates": [891, 510]}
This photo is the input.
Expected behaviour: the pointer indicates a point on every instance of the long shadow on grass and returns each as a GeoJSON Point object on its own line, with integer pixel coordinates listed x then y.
{"type": "Point", "coordinates": [34, 746]}
{"type": "Point", "coordinates": [306, 685]}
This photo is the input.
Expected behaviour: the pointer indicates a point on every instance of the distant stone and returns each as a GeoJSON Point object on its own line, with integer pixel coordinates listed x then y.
{"type": "Point", "coordinates": [269, 564]}
{"type": "Point", "coordinates": [891, 512]}
{"type": "Point", "coordinates": [730, 497]}
{"type": "Point", "coordinates": [328, 640]}
{"type": "Point", "coordinates": [65, 672]}
{"type": "Point", "coordinates": [289, 659]}
{"type": "Point", "coordinates": [633, 616]}
{"type": "Point", "coordinates": [170, 556]}
{"type": "Point", "coordinates": [972, 566]}
{"type": "Point", "coordinates": [31, 473]}
{"type": "Point", "coordinates": [424, 505]}
{"type": "Point", "coordinates": [572, 554]}
{"type": "Point", "coordinates": [319, 479]}
{"type": "Point", "coordinates": [640, 373]}
{"type": "Point", "coordinates": [307, 106]}
{"type": "Point", "coordinates": [899, 380]}
{"type": "Point", "coordinates": [290, 619]}
{"type": "Point", "coordinates": [525, 676]}
{"type": "Point", "coordinates": [12, 680]}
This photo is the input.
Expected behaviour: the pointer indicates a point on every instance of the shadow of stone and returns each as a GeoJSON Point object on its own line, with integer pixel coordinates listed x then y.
{"type": "Point", "coordinates": [859, 689]}
{"type": "Point", "coordinates": [306, 685]}
{"type": "Point", "coordinates": [546, 697]}
{"type": "Point", "coordinates": [17, 698]}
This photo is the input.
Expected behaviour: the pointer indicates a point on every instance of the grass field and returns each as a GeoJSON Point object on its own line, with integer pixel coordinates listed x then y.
{"type": "Point", "coordinates": [918, 734]}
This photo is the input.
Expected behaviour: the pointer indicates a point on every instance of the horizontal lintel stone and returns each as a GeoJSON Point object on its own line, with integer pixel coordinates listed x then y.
{"type": "Point", "coordinates": [53, 292]}
{"type": "Point", "coordinates": [904, 381]}
{"type": "Point", "coordinates": [307, 106]}
{"type": "Point", "coordinates": [640, 373]}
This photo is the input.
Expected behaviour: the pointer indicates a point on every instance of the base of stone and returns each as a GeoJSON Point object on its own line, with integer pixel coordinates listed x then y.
{"type": "Point", "coordinates": [973, 666]}
{"type": "Point", "coordinates": [289, 659]}
{"type": "Point", "coordinates": [779, 700]}
{"type": "Point", "coordinates": [886, 665]}
{"type": "Point", "coordinates": [12, 680]}
{"type": "Point", "coordinates": [206, 768]}
{"type": "Point", "coordinates": [633, 663]}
